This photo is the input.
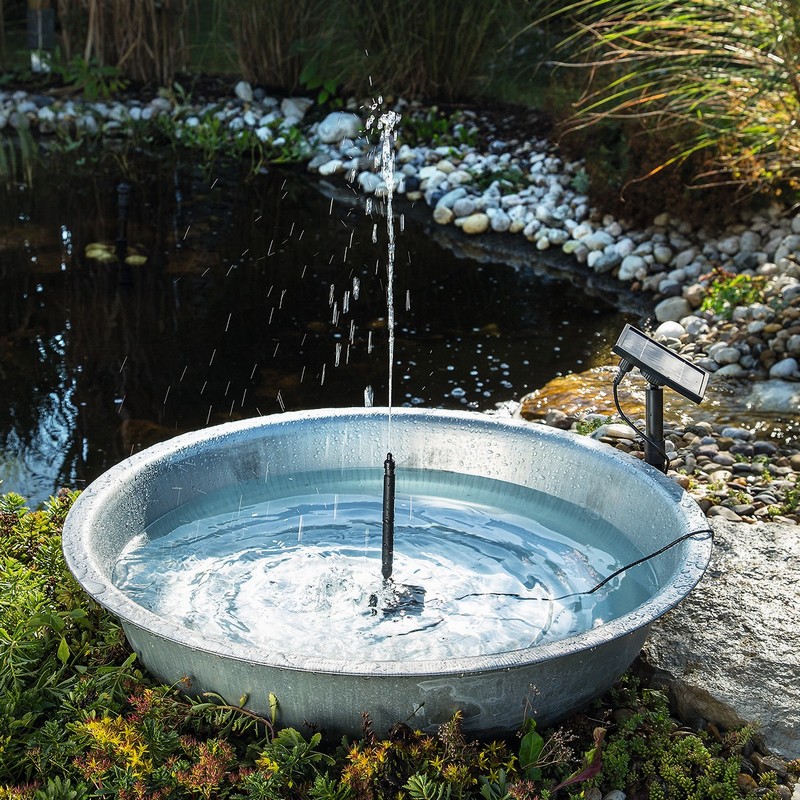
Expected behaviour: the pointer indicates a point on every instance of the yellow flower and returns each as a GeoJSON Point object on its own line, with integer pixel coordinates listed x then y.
{"type": "Point", "coordinates": [119, 740]}
{"type": "Point", "coordinates": [267, 764]}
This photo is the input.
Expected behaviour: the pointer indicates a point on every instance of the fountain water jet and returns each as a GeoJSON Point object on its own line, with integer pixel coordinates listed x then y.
{"type": "Point", "coordinates": [447, 456]}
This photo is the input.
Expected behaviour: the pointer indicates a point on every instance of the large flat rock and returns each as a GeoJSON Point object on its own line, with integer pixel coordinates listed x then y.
{"type": "Point", "coordinates": [730, 652]}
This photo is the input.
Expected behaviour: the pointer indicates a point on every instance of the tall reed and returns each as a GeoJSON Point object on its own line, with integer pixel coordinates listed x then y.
{"type": "Point", "coordinates": [717, 77]}
{"type": "Point", "coordinates": [439, 50]}
{"type": "Point", "coordinates": [420, 48]}
{"type": "Point", "coordinates": [267, 37]}
{"type": "Point", "coordinates": [145, 39]}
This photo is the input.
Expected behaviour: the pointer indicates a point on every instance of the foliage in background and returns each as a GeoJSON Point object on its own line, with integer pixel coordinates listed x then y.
{"type": "Point", "coordinates": [79, 720]}
{"type": "Point", "coordinates": [267, 36]}
{"type": "Point", "coordinates": [93, 80]}
{"type": "Point", "coordinates": [717, 77]}
{"type": "Point", "coordinates": [696, 93]}
{"type": "Point", "coordinates": [146, 40]}
{"type": "Point", "coordinates": [727, 290]}
{"type": "Point", "coordinates": [444, 50]}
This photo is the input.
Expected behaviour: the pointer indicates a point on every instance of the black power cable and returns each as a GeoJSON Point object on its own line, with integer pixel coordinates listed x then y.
{"type": "Point", "coordinates": [605, 580]}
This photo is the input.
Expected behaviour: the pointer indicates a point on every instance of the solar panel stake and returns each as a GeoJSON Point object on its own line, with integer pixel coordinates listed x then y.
{"type": "Point", "coordinates": [654, 444]}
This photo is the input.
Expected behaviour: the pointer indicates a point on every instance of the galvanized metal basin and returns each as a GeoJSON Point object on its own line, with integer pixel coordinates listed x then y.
{"type": "Point", "coordinates": [494, 692]}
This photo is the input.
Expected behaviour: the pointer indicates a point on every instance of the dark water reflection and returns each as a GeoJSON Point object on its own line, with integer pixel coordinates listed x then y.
{"type": "Point", "coordinates": [257, 297]}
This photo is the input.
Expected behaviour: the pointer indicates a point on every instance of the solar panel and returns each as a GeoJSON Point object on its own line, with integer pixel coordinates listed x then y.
{"type": "Point", "coordinates": [660, 365]}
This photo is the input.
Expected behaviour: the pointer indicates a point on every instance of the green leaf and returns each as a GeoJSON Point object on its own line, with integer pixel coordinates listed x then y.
{"type": "Point", "coordinates": [530, 749]}
{"type": "Point", "coordinates": [63, 651]}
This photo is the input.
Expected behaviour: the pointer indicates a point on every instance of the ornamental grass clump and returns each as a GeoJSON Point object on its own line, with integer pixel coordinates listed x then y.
{"type": "Point", "coordinates": [716, 79]}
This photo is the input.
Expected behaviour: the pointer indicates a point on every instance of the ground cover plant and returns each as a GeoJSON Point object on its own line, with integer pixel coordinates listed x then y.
{"type": "Point", "coordinates": [80, 719]}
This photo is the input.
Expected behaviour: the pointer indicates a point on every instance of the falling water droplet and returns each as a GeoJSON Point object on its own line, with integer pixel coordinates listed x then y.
{"type": "Point", "coordinates": [369, 342]}
{"type": "Point", "coordinates": [356, 288]}
{"type": "Point", "coordinates": [346, 302]}
{"type": "Point", "coordinates": [375, 234]}
{"type": "Point", "coordinates": [338, 355]}
{"type": "Point", "coordinates": [331, 295]}
{"type": "Point", "coordinates": [369, 397]}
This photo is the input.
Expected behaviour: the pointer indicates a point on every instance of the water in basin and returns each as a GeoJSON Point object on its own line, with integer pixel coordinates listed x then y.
{"type": "Point", "coordinates": [481, 566]}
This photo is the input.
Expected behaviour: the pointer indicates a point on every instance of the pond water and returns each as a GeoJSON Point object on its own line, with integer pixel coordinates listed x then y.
{"type": "Point", "coordinates": [257, 296]}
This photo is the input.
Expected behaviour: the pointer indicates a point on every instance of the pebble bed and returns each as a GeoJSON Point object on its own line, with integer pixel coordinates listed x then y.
{"type": "Point", "coordinates": [522, 187]}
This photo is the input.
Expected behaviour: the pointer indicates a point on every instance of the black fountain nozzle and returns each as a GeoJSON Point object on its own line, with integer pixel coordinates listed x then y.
{"type": "Point", "coordinates": [395, 599]}
{"type": "Point", "coordinates": [387, 548]}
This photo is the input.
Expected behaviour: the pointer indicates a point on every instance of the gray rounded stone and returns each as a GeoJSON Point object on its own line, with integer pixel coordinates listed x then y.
{"type": "Point", "coordinates": [672, 309]}
{"type": "Point", "coordinates": [339, 125]}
